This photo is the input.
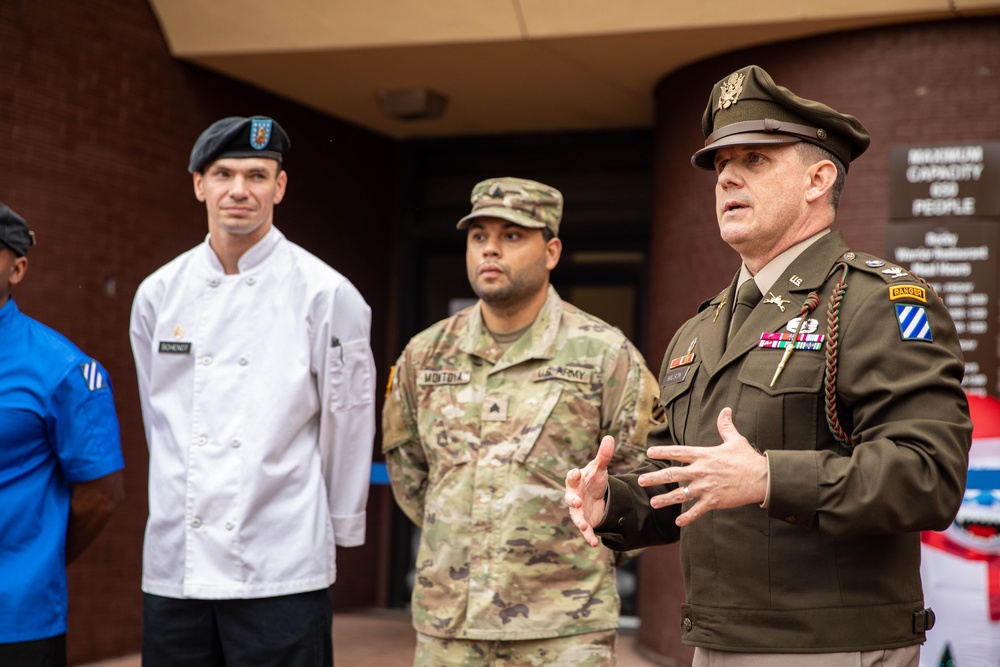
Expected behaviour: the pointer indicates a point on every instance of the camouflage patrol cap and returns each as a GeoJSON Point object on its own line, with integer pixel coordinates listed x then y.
{"type": "Point", "coordinates": [14, 232]}
{"type": "Point", "coordinates": [235, 136]}
{"type": "Point", "coordinates": [748, 107]}
{"type": "Point", "coordinates": [518, 200]}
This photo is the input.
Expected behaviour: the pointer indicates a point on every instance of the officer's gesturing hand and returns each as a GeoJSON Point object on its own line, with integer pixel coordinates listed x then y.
{"type": "Point", "coordinates": [585, 490]}
{"type": "Point", "coordinates": [731, 474]}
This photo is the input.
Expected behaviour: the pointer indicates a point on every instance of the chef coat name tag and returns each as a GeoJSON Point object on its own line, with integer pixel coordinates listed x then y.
{"type": "Point", "coordinates": [434, 377]}
{"type": "Point", "coordinates": [174, 347]}
{"type": "Point", "coordinates": [571, 373]}
{"type": "Point", "coordinates": [495, 408]}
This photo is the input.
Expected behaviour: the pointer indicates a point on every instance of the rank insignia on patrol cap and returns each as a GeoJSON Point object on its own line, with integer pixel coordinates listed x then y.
{"type": "Point", "coordinates": [748, 107]}
{"type": "Point", "coordinates": [14, 232]}
{"type": "Point", "coordinates": [518, 200]}
{"type": "Point", "coordinates": [235, 136]}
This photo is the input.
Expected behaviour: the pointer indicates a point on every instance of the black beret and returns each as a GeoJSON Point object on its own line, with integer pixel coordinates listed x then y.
{"type": "Point", "coordinates": [235, 136]}
{"type": "Point", "coordinates": [748, 107]}
{"type": "Point", "coordinates": [14, 232]}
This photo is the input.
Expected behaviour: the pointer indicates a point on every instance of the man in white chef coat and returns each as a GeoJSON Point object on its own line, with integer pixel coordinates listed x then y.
{"type": "Point", "coordinates": [256, 381]}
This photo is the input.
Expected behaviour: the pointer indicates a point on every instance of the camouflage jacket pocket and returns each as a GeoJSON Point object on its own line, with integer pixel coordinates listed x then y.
{"type": "Point", "coordinates": [562, 434]}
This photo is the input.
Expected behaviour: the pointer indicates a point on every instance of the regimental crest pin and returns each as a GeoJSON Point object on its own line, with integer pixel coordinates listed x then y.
{"type": "Point", "coordinates": [260, 133]}
{"type": "Point", "coordinates": [731, 90]}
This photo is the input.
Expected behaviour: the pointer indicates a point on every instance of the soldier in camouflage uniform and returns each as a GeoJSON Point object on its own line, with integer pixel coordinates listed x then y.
{"type": "Point", "coordinates": [486, 412]}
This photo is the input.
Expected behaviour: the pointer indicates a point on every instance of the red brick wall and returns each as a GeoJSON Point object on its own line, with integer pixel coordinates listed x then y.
{"type": "Point", "coordinates": [923, 83]}
{"type": "Point", "coordinates": [96, 124]}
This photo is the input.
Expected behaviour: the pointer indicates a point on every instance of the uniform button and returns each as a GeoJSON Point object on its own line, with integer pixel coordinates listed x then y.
{"type": "Point", "coordinates": [621, 521]}
{"type": "Point", "coordinates": [251, 280]}
{"type": "Point", "coordinates": [201, 441]}
{"type": "Point", "coordinates": [195, 522]}
{"type": "Point", "coordinates": [236, 442]}
{"type": "Point", "coordinates": [230, 525]}
{"type": "Point", "coordinates": [244, 361]}
{"type": "Point", "coordinates": [213, 282]}
{"type": "Point", "coordinates": [687, 624]}
{"type": "Point", "coordinates": [205, 361]}
{"type": "Point", "coordinates": [792, 519]}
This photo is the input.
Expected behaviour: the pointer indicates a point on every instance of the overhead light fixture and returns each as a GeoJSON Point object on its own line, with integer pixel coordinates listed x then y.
{"type": "Point", "coordinates": [411, 103]}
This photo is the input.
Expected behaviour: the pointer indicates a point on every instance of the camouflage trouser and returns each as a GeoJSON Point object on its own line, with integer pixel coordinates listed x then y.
{"type": "Point", "coordinates": [594, 649]}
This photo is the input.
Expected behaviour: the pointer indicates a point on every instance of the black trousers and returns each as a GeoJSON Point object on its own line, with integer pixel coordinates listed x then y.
{"type": "Point", "coordinates": [284, 631]}
{"type": "Point", "coordinates": [48, 652]}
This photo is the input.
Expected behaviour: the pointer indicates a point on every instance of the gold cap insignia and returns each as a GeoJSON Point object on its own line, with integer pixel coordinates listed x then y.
{"type": "Point", "coordinates": [731, 90]}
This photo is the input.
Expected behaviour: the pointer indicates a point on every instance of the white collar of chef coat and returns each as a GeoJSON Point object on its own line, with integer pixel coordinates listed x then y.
{"type": "Point", "coordinates": [253, 257]}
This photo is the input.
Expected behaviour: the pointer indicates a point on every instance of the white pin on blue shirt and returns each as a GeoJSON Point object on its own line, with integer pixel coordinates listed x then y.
{"type": "Point", "coordinates": [92, 375]}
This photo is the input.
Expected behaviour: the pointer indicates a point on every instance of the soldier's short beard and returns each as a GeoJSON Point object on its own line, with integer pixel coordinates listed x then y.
{"type": "Point", "coordinates": [511, 296]}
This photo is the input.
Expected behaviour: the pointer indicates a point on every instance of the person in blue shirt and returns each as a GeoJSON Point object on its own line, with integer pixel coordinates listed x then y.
{"type": "Point", "coordinates": [60, 465]}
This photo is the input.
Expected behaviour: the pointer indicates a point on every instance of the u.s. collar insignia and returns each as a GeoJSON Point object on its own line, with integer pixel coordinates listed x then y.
{"type": "Point", "coordinates": [776, 300]}
{"type": "Point", "coordinates": [731, 90]}
{"type": "Point", "coordinates": [894, 272]}
{"type": "Point", "coordinates": [260, 133]}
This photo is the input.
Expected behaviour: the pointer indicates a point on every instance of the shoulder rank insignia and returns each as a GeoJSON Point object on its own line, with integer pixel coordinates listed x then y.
{"type": "Point", "coordinates": [913, 322]}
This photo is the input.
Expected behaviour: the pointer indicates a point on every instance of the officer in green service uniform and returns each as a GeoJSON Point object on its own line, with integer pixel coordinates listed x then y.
{"type": "Point", "coordinates": [816, 421]}
{"type": "Point", "coordinates": [486, 412]}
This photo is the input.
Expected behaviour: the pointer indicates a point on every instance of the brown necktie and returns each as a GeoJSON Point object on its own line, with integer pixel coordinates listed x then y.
{"type": "Point", "coordinates": [746, 298]}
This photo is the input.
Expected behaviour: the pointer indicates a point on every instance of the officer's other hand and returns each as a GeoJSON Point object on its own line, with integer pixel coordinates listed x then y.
{"type": "Point", "coordinates": [585, 490]}
{"type": "Point", "coordinates": [730, 474]}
